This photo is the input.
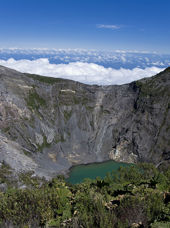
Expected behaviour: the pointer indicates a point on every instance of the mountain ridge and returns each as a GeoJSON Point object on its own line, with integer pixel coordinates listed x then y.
{"type": "Point", "coordinates": [49, 124]}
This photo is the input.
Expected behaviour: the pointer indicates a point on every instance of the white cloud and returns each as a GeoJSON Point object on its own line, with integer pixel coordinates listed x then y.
{"type": "Point", "coordinates": [134, 52]}
{"type": "Point", "coordinates": [89, 73]}
{"type": "Point", "coordinates": [113, 27]}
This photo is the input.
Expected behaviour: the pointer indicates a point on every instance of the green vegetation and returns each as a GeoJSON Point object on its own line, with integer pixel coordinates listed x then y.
{"type": "Point", "coordinates": [5, 171]}
{"type": "Point", "coordinates": [76, 100]}
{"type": "Point", "coordinates": [59, 138]}
{"type": "Point", "coordinates": [90, 108]}
{"type": "Point", "coordinates": [43, 79]}
{"type": "Point", "coordinates": [68, 98]}
{"type": "Point", "coordinates": [84, 100]}
{"type": "Point", "coordinates": [135, 196]}
{"type": "Point", "coordinates": [67, 115]}
{"type": "Point", "coordinates": [164, 121]}
{"type": "Point", "coordinates": [80, 99]}
{"type": "Point", "coordinates": [44, 144]}
{"type": "Point", "coordinates": [160, 225]}
{"type": "Point", "coordinates": [151, 88]}
{"type": "Point", "coordinates": [147, 89]}
{"type": "Point", "coordinates": [34, 101]}
{"type": "Point", "coordinates": [6, 129]}
{"type": "Point", "coordinates": [26, 152]}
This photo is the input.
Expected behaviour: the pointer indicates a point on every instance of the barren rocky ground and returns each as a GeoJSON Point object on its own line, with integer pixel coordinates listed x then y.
{"type": "Point", "coordinates": [49, 124]}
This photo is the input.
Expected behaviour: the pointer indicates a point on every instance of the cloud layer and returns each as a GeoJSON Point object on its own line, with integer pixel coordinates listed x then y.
{"type": "Point", "coordinates": [113, 27]}
{"type": "Point", "coordinates": [89, 73]}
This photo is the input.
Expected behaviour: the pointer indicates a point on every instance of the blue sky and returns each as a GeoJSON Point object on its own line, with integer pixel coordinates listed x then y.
{"type": "Point", "coordinates": [90, 24]}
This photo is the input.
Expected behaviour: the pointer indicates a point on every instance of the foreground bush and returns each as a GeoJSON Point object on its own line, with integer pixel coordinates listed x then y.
{"type": "Point", "coordinates": [136, 196]}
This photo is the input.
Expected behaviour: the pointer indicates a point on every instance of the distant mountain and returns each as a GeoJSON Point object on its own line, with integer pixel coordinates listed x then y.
{"type": "Point", "coordinates": [114, 59]}
{"type": "Point", "coordinates": [49, 124]}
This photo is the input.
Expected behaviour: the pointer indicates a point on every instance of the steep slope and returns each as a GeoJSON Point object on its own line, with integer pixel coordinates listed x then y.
{"type": "Point", "coordinates": [47, 125]}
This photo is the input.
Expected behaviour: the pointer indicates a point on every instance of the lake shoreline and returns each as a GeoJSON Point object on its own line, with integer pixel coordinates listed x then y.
{"type": "Point", "coordinates": [107, 166]}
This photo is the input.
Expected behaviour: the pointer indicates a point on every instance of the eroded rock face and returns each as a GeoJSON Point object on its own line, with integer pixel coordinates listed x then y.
{"type": "Point", "coordinates": [47, 125]}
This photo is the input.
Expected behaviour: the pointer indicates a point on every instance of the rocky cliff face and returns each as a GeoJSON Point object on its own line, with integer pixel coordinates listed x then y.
{"type": "Point", "coordinates": [47, 125]}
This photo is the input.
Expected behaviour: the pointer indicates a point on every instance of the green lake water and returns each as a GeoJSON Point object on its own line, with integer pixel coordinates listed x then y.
{"type": "Point", "coordinates": [79, 173]}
